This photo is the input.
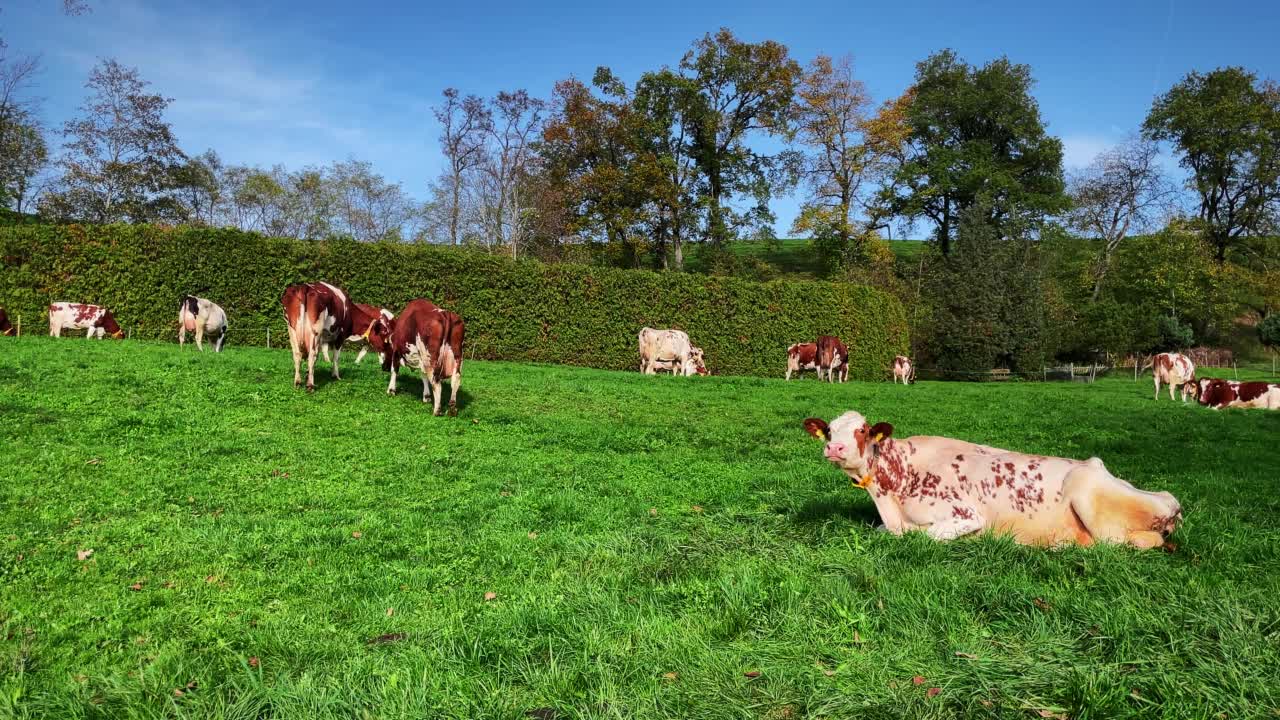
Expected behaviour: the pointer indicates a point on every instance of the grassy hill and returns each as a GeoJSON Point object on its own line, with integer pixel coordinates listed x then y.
{"type": "Point", "coordinates": [186, 535]}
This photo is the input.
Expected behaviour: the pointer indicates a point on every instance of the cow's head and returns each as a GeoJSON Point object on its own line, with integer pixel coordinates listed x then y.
{"type": "Point", "coordinates": [697, 363]}
{"type": "Point", "coordinates": [853, 444]}
{"type": "Point", "coordinates": [1217, 393]}
{"type": "Point", "coordinates": [109, 324]}
{"type": "Point", "coordinates": [1192, 388]}
{"type": "Point", "coordinates": [379, 337]}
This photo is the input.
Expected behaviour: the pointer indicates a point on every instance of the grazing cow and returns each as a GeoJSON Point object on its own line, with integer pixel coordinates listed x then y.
{"type": "Point", "coordinates": [669, 350]}
{"type": "Point", "coordinates": [428, 338]}
{"type": "Point", "coordinates": [315, 313]}
{"type": "Point", "coordinates": [801, 357]}
{"type": "Point", "coordinates": [1218, 394]}
{"type": "Point", "coordinates": [362, 326]}
{"type": "Point", "coordinates": [833, 358]}
{"type": "Point", "coordinates": [6, 328]}
{"type": "Point", "coordinates": [903, 370]}
{"type": "Point", "coordinates": [695, 355]}
{"type": "Point", "coordinates": [950, 488]}
{"type": "Point", "coordinates": [201, 316]}
{"type": "Point", "coordinates": [98, 321]}
{"type": "Point", "coordinates": [1174, 370]}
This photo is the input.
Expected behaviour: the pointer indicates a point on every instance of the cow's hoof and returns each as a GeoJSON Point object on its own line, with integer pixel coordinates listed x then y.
{"type": "Point", "coordinates": [391, 393]}
{"type": "Point", "coordinates": [453, 411]}
{"type": "Point", "coordinates": [311, 388]}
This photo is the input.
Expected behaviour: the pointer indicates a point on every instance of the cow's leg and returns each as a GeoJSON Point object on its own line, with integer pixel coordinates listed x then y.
{"type": "Point", "coordinates": [200, 337]}
{"type": "Point", "coordinates": [360, 355]}
{"type": "Point", "coordinates": [1157, 379]}
{"type": "Point", "coordinates": [324, 349]}
{"type": "Point", "coordinates": [294, 341]}
{"type": "Point", "coordinates": [182, 332]}
{"type": "Point", "coordinates": [1171, 398]}
{"type": "Point", "coordinates": [391, 386]}
{"type": "Point", "coordinates": [788, 372]}
{"type": "Point", "coordinates": [222, 337]}
{"type": "Point", "coordinates": [454, 382]}
{"type": "Point", "coordinates": [954, 527]}
{"type": "Point", "coordinates": [337, 353]}
{"type": "Point", "coordinates": [1112, 510]}
{"type": "Point", "coordinates": [312, 351]}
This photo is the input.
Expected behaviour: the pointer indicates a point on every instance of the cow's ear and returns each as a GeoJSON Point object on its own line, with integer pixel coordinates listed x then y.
{"type": "Point", "coordinates": [818, 428]}
{"type": "Point", "coordinates": [880, 431]}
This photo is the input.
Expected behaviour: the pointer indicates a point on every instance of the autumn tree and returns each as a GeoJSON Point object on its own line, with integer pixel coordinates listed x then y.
{"type": "Point", "coordinates": [831, 114]}
{"type": "Point", "coordinates": [1226, 126]}
{"type": "Point", "coordinates": [1120, 194]}
{"type": "Point", "coordinates": [664, 106]}
{"type": "Point", "coordinates": [119, 155]}
{"type": "Point", "coordinates": [974, 137]}
{"type": "Point", "coordinates": [742, 88]}
{"type": "Point", "coordinates": [23, 151]}
{"type": "Point", "coordinates": [464, 125]}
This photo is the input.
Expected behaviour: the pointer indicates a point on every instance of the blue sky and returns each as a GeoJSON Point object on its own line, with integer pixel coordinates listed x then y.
{"type": "Point", "coordinates": [310, 83]}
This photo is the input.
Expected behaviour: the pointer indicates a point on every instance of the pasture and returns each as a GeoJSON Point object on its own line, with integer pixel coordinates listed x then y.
{"type": "Point", "coordinates": [593, 544]}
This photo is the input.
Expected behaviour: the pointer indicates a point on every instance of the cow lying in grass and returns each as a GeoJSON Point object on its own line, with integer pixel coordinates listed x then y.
{"type": "Point", "coordinates": [1218, 393]}
{"type": "Point", "coordinates": [950, 488]}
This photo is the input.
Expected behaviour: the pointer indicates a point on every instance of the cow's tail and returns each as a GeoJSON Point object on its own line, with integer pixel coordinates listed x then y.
{"type": "Point", "coordinates": [301, 327]}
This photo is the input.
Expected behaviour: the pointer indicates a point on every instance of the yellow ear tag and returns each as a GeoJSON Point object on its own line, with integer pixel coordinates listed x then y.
{"type": "Point", "coordinates": [865, 482]}
{"type": "Point", "coordinates": [879, 437]}
{"type": "Point", "coordinates": [825, 435]}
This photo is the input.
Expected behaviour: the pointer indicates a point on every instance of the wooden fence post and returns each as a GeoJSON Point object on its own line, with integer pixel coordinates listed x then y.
{"type": "Point", "coordinates": [268, 338]}
{"type": "Point", "coordinates": [20, 335]}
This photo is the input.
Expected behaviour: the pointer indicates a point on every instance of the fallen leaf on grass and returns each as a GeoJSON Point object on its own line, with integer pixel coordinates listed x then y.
{"type": "Point", "coordinates": [933, 691]}
{"type": "Point", "coordinates": [986, 703]}
{"type": "Point", "coordinates": [829, 673]}
{"type": "Point", "coordinates": [388, 638]}
{"type": "Point", "coordinates": [505, 493]}
{"type": "Point", "coordinates": [391, 611]}
{"type": "Point", "coordinates": [80, 678]}
{"type": "Point", "coordinates": [1051, 714]}
{"type": "Point", "coordinates": [254, 662]}
{"type": "Point", "coordinates": [653, 512]}
{"type": "Point", "coordinates": [136, 586]}
{"type": "Point", "coordinates": [533, 536]}
{"type": "Point", "coordinates": [490, 596]}
{"type": "Point", "coordinates": [1042, 604]}
{"type": "Point", "coordinates": [357, 534]}
{"type": "Point", "coordinates": [857, 638]}
{"type": "Point", "coordinates": [83, 555]}
{"type": "Point", "coordinates": [168, 585]}
{"type": "Point", "coordinates": [542, 713]}
{"type": "Point", "coordinates": [670, 676]}
{"type": "Point", "coordinates": [966, 656]}
{"type": "Point", "coordinates": [917, 680]}
{"type": "Point", "coordinates": [697, 508]}
{"type": "Point", "coordinates": [1169, 547]}
{"type": "Point", "coordinates": [211, 578]}
{"type": "Point", "coordinates": [753, 674]}
{"type": "Point", "coordinates": [177, 692]}
{"type": "Point", "coordinates": [93, 461]}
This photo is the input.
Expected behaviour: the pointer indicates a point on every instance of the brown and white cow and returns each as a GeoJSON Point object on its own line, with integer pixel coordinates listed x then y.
{"type": "Point", "coordinates": [903, 370]}
{"type": "Point", "coordinates": [6, 327]}
{"type": "Point", "coordinates": [315, 313]}
{"type": "Point", "coordinates": [429, 339]}
{"type": "Point", "coordinates": [1174, 370]}
{"type": "Point", "coordinates": [363, 318]}
{"type": "Point", "coordinates": [97, 321]}
{"type": "Point", "coordinates": [833, 358]}
{"type": "Point", "coordinates": [950, 488]}
{"type": "Point", "coordinates": [1217, 394]}
{"type": "Point", "coordinates": [200, 316]}
{"type": "Point", "coordinates": [669, 350]}
{"type": "Point", "coordinates": [801, 357]}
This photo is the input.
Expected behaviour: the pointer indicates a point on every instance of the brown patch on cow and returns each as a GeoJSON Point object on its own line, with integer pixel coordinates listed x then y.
{"type": "Point", "coordinates": [963, 513]}
{"type": "Point", "coordinates": [1247, 391]}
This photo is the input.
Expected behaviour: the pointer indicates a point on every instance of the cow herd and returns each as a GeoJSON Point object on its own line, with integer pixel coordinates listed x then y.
{"type": "Point", "coordinates": [1175, 370]}
{"type": "Point", "coordinates": [945, 487]}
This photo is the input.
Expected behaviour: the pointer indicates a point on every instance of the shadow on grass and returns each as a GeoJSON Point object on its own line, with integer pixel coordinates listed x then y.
{"type": "Point", "coordinates": [828, 507]}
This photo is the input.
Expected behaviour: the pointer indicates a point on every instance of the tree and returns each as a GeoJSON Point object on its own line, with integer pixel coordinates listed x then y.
{"type": "Point", "coordinates": [1226, 126]}
{"type": "Point", "coordinates": [464, 124]}
{"type": "Point", "coordinates": [120, 154]}
{"type": "Point", "coordinates": [974, 138]}
{"type": "Point", "coordinates": [664, 106]}
{"type": "Point", "coordinates": [1121, 193]}
{"type": "Point", "coordinates": [1269, 332]}
{"type": "Point", "coordinates": [830, 116]}
{"type": "Point", "coordinates": [368, 207]}
{"type": "Point", "coordinates": [742, 88]}
{"type": "Point", "coordinates": [509, 163]}
{"type": "Point", "coordinates": [23, 152]}
{"type": "Point", "coordinates": [197, 188]}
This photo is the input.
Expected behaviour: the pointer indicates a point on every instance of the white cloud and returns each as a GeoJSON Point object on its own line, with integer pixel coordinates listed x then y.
{"type": "Point", "coordinates": [1079, 150]}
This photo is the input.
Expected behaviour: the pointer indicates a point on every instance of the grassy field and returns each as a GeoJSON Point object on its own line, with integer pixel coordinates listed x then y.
{"type": "Point", "coordinates": [591, 544]}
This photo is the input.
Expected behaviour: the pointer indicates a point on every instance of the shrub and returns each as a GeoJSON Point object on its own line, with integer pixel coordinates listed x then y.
{"type": "Point", "coordinates": [1269, 331]}
{"type": "Point", "coordinates": [515, 310]}
{"type": "Point", "coordinates": [1172, 334]}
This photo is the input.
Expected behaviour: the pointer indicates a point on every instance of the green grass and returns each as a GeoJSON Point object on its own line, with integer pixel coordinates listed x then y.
{"type": "Point", "coordinates": [683, 526]}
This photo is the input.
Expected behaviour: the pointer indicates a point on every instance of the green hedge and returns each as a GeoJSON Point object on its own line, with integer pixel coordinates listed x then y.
{"type": "Point", "coordinates": [515, 310]}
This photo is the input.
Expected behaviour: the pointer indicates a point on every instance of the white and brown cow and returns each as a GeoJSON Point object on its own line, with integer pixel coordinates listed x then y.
{"type": "Point", "coordinates": [363, 318]}
{"type": "Point", "coordinates": [1174, 370]}
{"type": "Point", "coordinates": [669, 350]}
{"type": "Point", "coordinates": [903, 370]}
{"type": "Point", "coordinates": [201, 316]}
{"type": "Point", "coordinates": [833, 358]}
{"type": "Point", "coordinates": [315, 313]}
{"type": "Point", "coordinates": [1217, 394]}
{"type": "Point", "coordinates": [801, 357]}
{"type": "Point", "coordinates": [97, 321]}
{"type": "Point", "coordinates": [6, 327]}
{"type": "Point", "coordinates": [428, 339]}
{"type": "Point", "coordinates": [950, 488]}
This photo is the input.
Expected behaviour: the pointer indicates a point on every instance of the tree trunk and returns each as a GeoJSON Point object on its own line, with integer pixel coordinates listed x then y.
{"type": "Point", "coordinates": [455, 212]}
{"type": "Point", "coordinates": [944, 230]}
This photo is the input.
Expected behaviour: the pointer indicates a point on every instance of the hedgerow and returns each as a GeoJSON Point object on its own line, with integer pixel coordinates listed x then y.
{"type": "Point", "coordinates": [514, 309]}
